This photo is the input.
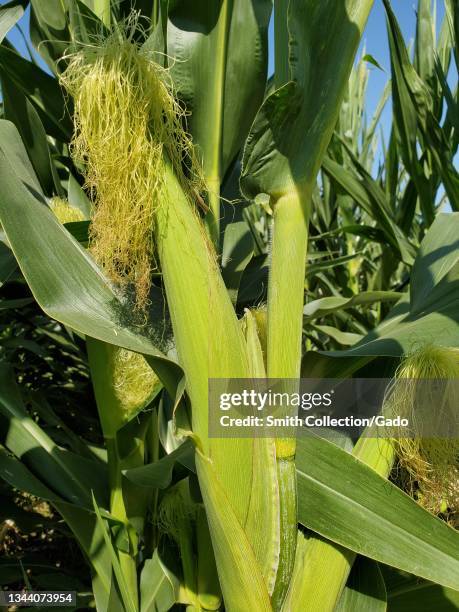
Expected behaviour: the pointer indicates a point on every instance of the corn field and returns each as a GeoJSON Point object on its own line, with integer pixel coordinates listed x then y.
{"type": "Point", "coordinates": [171, 214]}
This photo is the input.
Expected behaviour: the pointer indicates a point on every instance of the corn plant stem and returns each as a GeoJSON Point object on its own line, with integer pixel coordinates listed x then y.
{"type": "Point", "coordinates": [286, 477]}
{"type": "Point", "coordinates": [213, 216]}
{"type": "Point", "coordinates": [155, 11]}
{"type": "Point", "coordinates": [214, 345]}
{"type": "Point", "coordinates": [286, 291]}
{"type": "Point", "coordinates": [285, 324]}
{"type": "Point", "coordinates": [152, 448]}
{"type": "Point", "coordinates": [118, 510]}
{"type": "Point", "coordinates": [110, 416]}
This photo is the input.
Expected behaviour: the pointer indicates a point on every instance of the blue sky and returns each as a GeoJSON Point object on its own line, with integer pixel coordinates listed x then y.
{"type": "Point", "coordinates": [374, 39]}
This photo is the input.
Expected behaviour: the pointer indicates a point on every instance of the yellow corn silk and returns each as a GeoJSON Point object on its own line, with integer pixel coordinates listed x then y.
{"type": "Point", "coordinates": [126, 121]}
{"type": "Point", "coordinates": [429, 465]}
{"type": "Point", "coordinates": [134, 381]}
{"type": "Point", "coordinates": [64, 211]}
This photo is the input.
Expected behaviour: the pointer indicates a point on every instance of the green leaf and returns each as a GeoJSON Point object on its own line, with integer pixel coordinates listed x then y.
{"type": "Point", "coordinates": [158, 586]}
{"type": "Point", "coordinates": [71, 439]}
{"type": "Point", "coordinates": [7, 262]}
{"type": "Point", "coordinates": [347, 502]}
{"type": "Point", "coordinates": [78, 198]}
{"type": "Point", "coordinates": [435, 272]}
{"type": "Point", "coordinates": [62, 276]}
{"type": "Point", "coordinates": [432, 312]}
{"type": "Point", "coordinates": [79, 230]}
{"type": "Point", "coordinates": [80, 521]}
{"type": "Point", "coordinates": [220, 52]}
{"type": "Point", "coordinates": [18, 476]}
{"type": "Point", "coordinates": [106, 596]}
{"type": "Point", "coordinates": [372, 233]}
{"type": "Point", "coordinates": [295, 123]}
{"type": "Point", "coordinates": [411, 101]}
{"type": "Point", "coordinates": [369, 195]}
{"type": "Point", "coordinates": [101, 8]}
{"type": "Point", "coordinates": [323, 306]}
{"type": "Point", "coordinates": [84, 23]}
{"type": "Point", "coordinates": [344, 338]}
{"type": "Point", "coordinates": [22, 113]}
{"type": "Point", "coordinates": [70, 475]}
{"type": "Point", "coordinates": [126, 593]}
{"type": "Point", "coordinates": [48, 30]}
{"type": "Point", "coordinates": [19, 303]}
{"type": "Point", "coordinates": [371, 60]}
{"type": "Point", "coordinates": [406, 593]}
{"type": "Point", "coordinates": [425, 43]}
{"type": "Point", "coordinates": [236, 253]}
{"type": "Point", "coordinates": [328, 264]}
{"type": "Point", "coordinates": [452, 13]}
{"type": "Point", "coordinates": [365, 590]}
{"type": "Point", "coordinates": [414, 111]}
{"type": "Point", "coordinates": [252, 288]}
{"type": "Point", "coordinates": [9, 15]}
{"type": "Point", "coordinates": [158, 475]}
{"type": "Point", "coordinates": [41, 90]}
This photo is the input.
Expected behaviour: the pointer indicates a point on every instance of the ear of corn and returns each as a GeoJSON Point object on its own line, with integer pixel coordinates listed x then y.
{"type": "Point", "coordinates": [265, 478]}
{"type": "Point", "coordinates": [216, 348]}
{"type": "Point", "coordinates": [121, 390]}
{"type": "Point", "coordinates": [378, 453]}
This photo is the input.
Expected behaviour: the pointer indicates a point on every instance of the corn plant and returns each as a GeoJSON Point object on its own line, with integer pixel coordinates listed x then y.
{"type": "Point", "coordinates": [158, 198]}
